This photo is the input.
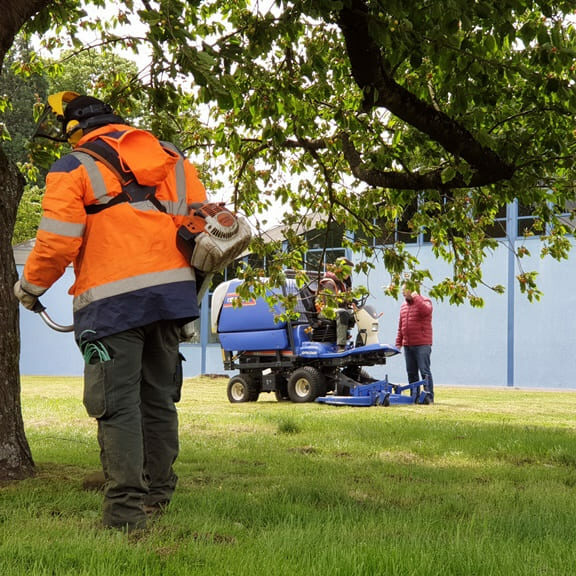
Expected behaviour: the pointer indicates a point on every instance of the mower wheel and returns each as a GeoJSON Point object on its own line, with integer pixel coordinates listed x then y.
{"type": "Point", "coordinates": [306, 384]}
{"type": "Point", "coordinates": [358, 374]}
{"type": "Point", "coordinates": [242, 388]}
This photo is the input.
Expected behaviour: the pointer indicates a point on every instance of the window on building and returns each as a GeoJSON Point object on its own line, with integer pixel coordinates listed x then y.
{"type": "Point", "coordinates": [404, 230]}
{"type": "Point", "coordinates": [387, 232]}
{"type": "Point", "coordinates": [382, 233]}
{"type": "Point", "coordinates": [498, 228]}
{"type": "Point", "coordinates": [331, 237]}
{"type": "Point", "coordinates": [324, 246]}
{"type": "Point", "coordinates": [568, 218]}
{"type": "Point", "coordinates": [527, 222]}
{"type": "Point", "coordinates": [256, 261]}
{"type": "Point", "coordinates": [317, 259]}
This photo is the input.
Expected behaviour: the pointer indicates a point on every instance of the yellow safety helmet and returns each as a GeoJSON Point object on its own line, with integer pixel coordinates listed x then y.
{"type": "Point", "coordinates": [67, 115]}
{"type": "Point", "coordinates": [57, 101]}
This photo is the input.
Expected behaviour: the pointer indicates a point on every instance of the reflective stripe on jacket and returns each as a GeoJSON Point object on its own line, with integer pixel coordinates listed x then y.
{"type": "Point", "coordinates": [415, 322]}
{"type": "Point", "coordinates": [128, 269]}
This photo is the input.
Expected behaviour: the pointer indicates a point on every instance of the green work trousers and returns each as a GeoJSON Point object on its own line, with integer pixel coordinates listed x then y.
{"type": "Point", "coordinates": [131, 387]}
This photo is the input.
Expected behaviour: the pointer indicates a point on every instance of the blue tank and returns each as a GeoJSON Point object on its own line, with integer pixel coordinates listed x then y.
{"type": "Point", "coordinates": [253, 324]}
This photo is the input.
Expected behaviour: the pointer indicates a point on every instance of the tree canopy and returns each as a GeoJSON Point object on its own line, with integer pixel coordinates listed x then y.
{"type": "Point", "coordinates": [437, 114]}
{"type": "Point", "coordinates": [365, 113]}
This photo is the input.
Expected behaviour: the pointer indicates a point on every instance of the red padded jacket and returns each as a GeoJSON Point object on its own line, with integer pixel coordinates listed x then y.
{"type": "Point", "coordinates": [415, 322]}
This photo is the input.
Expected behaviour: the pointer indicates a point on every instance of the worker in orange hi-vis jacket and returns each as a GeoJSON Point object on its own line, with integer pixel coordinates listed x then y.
{"type": "Point", "coordinates": [112, 207]}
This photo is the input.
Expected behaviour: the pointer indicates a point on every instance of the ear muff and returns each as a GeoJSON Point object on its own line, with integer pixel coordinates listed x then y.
{"type": "Point", "coordinates": [73, 132]}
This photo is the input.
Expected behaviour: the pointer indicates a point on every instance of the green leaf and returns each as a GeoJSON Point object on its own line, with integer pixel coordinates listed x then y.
{"type": "Point", "coordinates": [448, 174]}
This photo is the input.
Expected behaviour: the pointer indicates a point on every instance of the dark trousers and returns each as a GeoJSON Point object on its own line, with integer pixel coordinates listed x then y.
{"type": "Point", "coordinates": [131, 389]}
{"type": "Point", "coordinates": [343, 318]}
{"type": "Point", "coordinates": [418, 365]}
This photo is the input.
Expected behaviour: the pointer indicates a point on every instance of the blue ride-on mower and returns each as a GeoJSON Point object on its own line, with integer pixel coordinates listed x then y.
{"type": "Point", "coordinates": [298, 360]}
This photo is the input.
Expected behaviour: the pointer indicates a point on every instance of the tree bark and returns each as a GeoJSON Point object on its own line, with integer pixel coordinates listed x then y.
{"type": "Point", "coordinates": [15, 456]}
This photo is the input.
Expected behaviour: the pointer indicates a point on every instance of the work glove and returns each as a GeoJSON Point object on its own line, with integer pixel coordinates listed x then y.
{"type": "Point", "coordinates": [26, 299]}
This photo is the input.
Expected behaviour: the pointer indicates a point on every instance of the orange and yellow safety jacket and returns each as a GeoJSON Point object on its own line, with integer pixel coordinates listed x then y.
{"type": "Point", "coordinates": [128, 269]}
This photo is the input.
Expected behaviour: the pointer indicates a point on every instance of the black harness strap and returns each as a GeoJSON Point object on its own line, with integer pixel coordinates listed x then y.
{"type": "Point", "coordinates": [132, 191]}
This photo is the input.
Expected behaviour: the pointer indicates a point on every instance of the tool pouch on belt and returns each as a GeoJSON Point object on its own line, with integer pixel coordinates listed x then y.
{"type": "Point", "coordinates": [212, 237]}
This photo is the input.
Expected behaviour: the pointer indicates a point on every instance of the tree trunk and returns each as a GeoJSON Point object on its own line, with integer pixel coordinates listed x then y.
{"type": "Point", "coordinates": [15, 456]}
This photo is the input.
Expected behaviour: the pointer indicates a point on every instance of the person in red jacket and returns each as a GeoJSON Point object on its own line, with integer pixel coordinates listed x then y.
{"type": "Point", "coordinates": [415, 336]}
{"type": "Point", "coordinates": [133, 291]}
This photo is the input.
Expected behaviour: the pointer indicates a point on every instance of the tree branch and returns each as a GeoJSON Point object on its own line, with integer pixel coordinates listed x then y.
{"type": "Point", "coordinates": [381, 90]}
{"type": "Point", "coordinates": [408, 180]}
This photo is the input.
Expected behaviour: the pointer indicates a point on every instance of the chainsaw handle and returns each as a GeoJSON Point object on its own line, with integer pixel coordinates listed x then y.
{"type": "Point", "coordinates": [39, 308]}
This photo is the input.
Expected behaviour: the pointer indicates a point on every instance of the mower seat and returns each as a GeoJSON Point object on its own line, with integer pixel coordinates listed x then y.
{"type": "Point", "coordinates": [323, 329]}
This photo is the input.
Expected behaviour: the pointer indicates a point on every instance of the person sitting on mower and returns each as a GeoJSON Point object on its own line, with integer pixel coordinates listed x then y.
{"type": "Point", "coordinates": [334, 294]}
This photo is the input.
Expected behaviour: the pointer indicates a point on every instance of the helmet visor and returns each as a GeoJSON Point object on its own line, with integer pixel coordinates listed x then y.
{"type": "Point", "coordinates": [51, 123]}
{"type": "Point", "coordinates": [48, 126]}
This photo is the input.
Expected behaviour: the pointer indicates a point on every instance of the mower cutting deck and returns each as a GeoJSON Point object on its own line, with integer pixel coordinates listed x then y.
{"type": "Point", "coordinates": [381, 393]}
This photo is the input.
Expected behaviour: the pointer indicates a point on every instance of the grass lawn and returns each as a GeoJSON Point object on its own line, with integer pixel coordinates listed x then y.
{"type": "Point", "coordinates": [481, 483]}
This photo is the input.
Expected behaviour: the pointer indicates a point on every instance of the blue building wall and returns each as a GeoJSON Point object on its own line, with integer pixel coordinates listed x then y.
{"type": "Point", "coordinates": [472, 347]}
